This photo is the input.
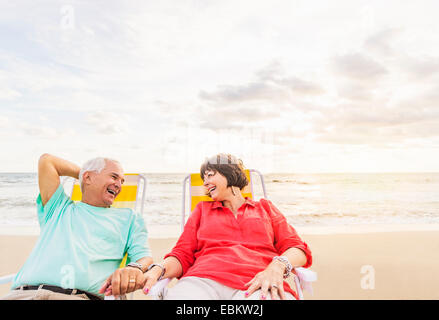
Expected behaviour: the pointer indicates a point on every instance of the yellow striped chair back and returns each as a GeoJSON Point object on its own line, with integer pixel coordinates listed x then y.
{"type": "Point", "coordinates": [128, 197]}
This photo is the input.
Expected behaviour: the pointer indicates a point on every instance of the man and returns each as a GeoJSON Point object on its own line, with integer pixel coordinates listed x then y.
{"type": "Point", "coordinates": [82, 244]}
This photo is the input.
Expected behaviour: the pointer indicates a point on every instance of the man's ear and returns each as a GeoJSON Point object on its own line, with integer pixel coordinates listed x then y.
{"type": "Point", "coordinates": [86, 178]}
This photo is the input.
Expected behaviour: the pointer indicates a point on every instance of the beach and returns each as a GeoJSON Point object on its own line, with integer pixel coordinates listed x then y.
{"type": "Point", "coordinates": [352, 261]}
{"type": "Point", "coordinates": [330, 107]}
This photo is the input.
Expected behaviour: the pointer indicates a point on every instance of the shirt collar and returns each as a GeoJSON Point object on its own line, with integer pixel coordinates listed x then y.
{"type": "Point", "coordinates": [219, 204]}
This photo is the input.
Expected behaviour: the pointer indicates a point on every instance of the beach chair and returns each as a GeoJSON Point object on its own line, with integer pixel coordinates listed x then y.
{"type": "Point", "coordinates": [132, 195]}
{"type": "Point", "coordinates": [303, 278]}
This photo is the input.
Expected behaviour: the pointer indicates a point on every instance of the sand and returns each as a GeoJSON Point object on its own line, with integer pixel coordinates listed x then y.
{"type": "Point", "coordinates": [363, 262]}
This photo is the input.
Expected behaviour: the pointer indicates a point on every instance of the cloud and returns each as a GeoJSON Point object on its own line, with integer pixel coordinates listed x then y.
{"type": "Point", "coordinates": [421, 68]}
{"type": "Point", "coordinates": [15, 127]}
{"type": "Point", "coordinates": [9, 94]}
{"type": "Point", "coordinates": [302, 87]}
{"type": "Point", "coordinates": [273, 71]}
{"type": "Point", "coordinates": [254, 91]}
{"type": "Point", "coordinates": [378, 123]}
{"type": "Point", "coordinates": [109, 123]}
{"type": "Point", "coordinates": [216, 66]}
{"type": "Point", "coordinates": [271, 96]}
{"type": "Point", "coordinates": [357, 66]}
{"type": "Point", "coordinates": [381, 42]}
{"type": "Point", "coordinates": [3, 121]}
{"type": "Point", "coordinates": [39, 131]}
{"type": "Point", "coordinates": [355, 92]}
{"type": "Point", "coordinates": [234, 117]}
{"type": "Point", "coordinates": [271, 84]}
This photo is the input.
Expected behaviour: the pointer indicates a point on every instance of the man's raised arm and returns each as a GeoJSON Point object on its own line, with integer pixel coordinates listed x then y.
{"type": "Point", "coordinates": [50, 169]}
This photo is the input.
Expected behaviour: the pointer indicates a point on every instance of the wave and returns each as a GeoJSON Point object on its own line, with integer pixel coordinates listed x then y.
{"type": "Point", "coordinates": [17, 203]}
{"type": "Point", "coordinates": [326, 215]}
{"type": "Point", "coordinates": [288, 181]}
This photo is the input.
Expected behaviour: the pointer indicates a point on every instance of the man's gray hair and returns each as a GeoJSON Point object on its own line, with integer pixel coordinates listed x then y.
{"type": "Point", "coordinates": [95, 165]}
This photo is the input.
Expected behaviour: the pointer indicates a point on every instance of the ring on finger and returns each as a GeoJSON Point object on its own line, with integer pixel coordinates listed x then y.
{"type": "Point", "coordinates": [132, 280]}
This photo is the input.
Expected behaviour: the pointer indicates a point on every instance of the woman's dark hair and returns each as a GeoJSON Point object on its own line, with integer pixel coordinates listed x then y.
{"type": "Point", "coordinates": [227, 165]}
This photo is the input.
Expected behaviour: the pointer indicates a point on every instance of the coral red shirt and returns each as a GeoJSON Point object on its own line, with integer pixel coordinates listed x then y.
{"type": "Point", "coordinates": [231, 251]}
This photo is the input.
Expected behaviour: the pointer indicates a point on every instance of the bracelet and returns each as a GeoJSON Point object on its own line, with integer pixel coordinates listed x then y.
{"type": "Point", "coordinates": [158, 265]}
{"type": "Point", "coordinates": [288, 266]}
{"type": "Point", "coordinates": [135, 265]}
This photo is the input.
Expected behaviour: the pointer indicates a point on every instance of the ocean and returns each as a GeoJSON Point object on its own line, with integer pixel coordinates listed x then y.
{"type": "Point", "coordinates": [305, 199]}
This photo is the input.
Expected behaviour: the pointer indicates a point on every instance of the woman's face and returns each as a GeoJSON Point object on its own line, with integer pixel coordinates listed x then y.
{"type": "Point", "coordinates": [216, 185]}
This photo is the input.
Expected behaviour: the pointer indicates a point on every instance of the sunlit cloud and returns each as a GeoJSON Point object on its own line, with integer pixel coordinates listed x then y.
{"type": "Point", "coordinates": [109, 123]}
{"type": "Point", "coordinates": [381, 42]}
{"type": "Point", "coordinates": [152, 80]}
{"type": "Point", "coordinates": [359, 67]}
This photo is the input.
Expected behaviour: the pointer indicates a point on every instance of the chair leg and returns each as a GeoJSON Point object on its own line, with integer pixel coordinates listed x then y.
{"type": "Point", "coordinates": [298, 287]}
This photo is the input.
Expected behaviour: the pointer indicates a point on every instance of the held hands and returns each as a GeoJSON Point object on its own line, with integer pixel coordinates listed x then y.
{"type": "Point", "coordinates": [122, 281]}
{"type": "Point", "coordinates": [128, 279]}
{"type": "Point", "coordinates": [151, 277]}
{"type": "Point", "coordinates": [270, 279]}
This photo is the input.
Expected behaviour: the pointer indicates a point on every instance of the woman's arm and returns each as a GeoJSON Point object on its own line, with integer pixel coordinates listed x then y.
{"type": "Point", "coordinates": [295, 256]}
{"type": "Point", "coordinates": [181, 258]}
{"type": "Point", "coordinates": [288, 244]}
{"type": "Point", "coordinates": [173, 269]}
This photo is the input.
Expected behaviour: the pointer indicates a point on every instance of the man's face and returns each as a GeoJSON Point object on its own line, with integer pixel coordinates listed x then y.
{"type": "Point", "coordinates": [102, 188]}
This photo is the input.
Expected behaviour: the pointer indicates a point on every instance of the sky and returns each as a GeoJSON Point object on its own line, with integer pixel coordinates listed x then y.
{"type": "Point", "coordinates": [287, 86]}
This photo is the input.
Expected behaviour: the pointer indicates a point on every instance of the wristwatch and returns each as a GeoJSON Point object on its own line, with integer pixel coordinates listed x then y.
{"type": "Point", "coordinates": [135, 265]}
{"type": "Point", "coordinates": [158, 265]}
{"type": "Point", "coordinates": [288, 266]}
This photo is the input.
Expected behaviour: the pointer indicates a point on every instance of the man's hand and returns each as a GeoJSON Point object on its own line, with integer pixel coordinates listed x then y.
{"type": "Point", "coordinates": [122, 281]}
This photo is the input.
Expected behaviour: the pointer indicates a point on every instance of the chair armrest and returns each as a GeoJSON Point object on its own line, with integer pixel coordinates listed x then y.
{"type": "Point", "coordinates": [8, 278]}
{"type": "Point", "coordinates": [158, 290]}
{"type": "Point", "coordinates": [305, 277]}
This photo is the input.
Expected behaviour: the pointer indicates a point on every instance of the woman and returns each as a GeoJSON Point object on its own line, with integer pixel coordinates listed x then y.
{"type": "Point", "coordinates": [233, 247]}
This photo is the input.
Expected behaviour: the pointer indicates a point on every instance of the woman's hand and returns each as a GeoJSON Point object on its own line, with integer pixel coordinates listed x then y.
{"type": "Point", "coordinates": [272, 279]}
{"type": "Point", "coordinates": [150, 278]}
